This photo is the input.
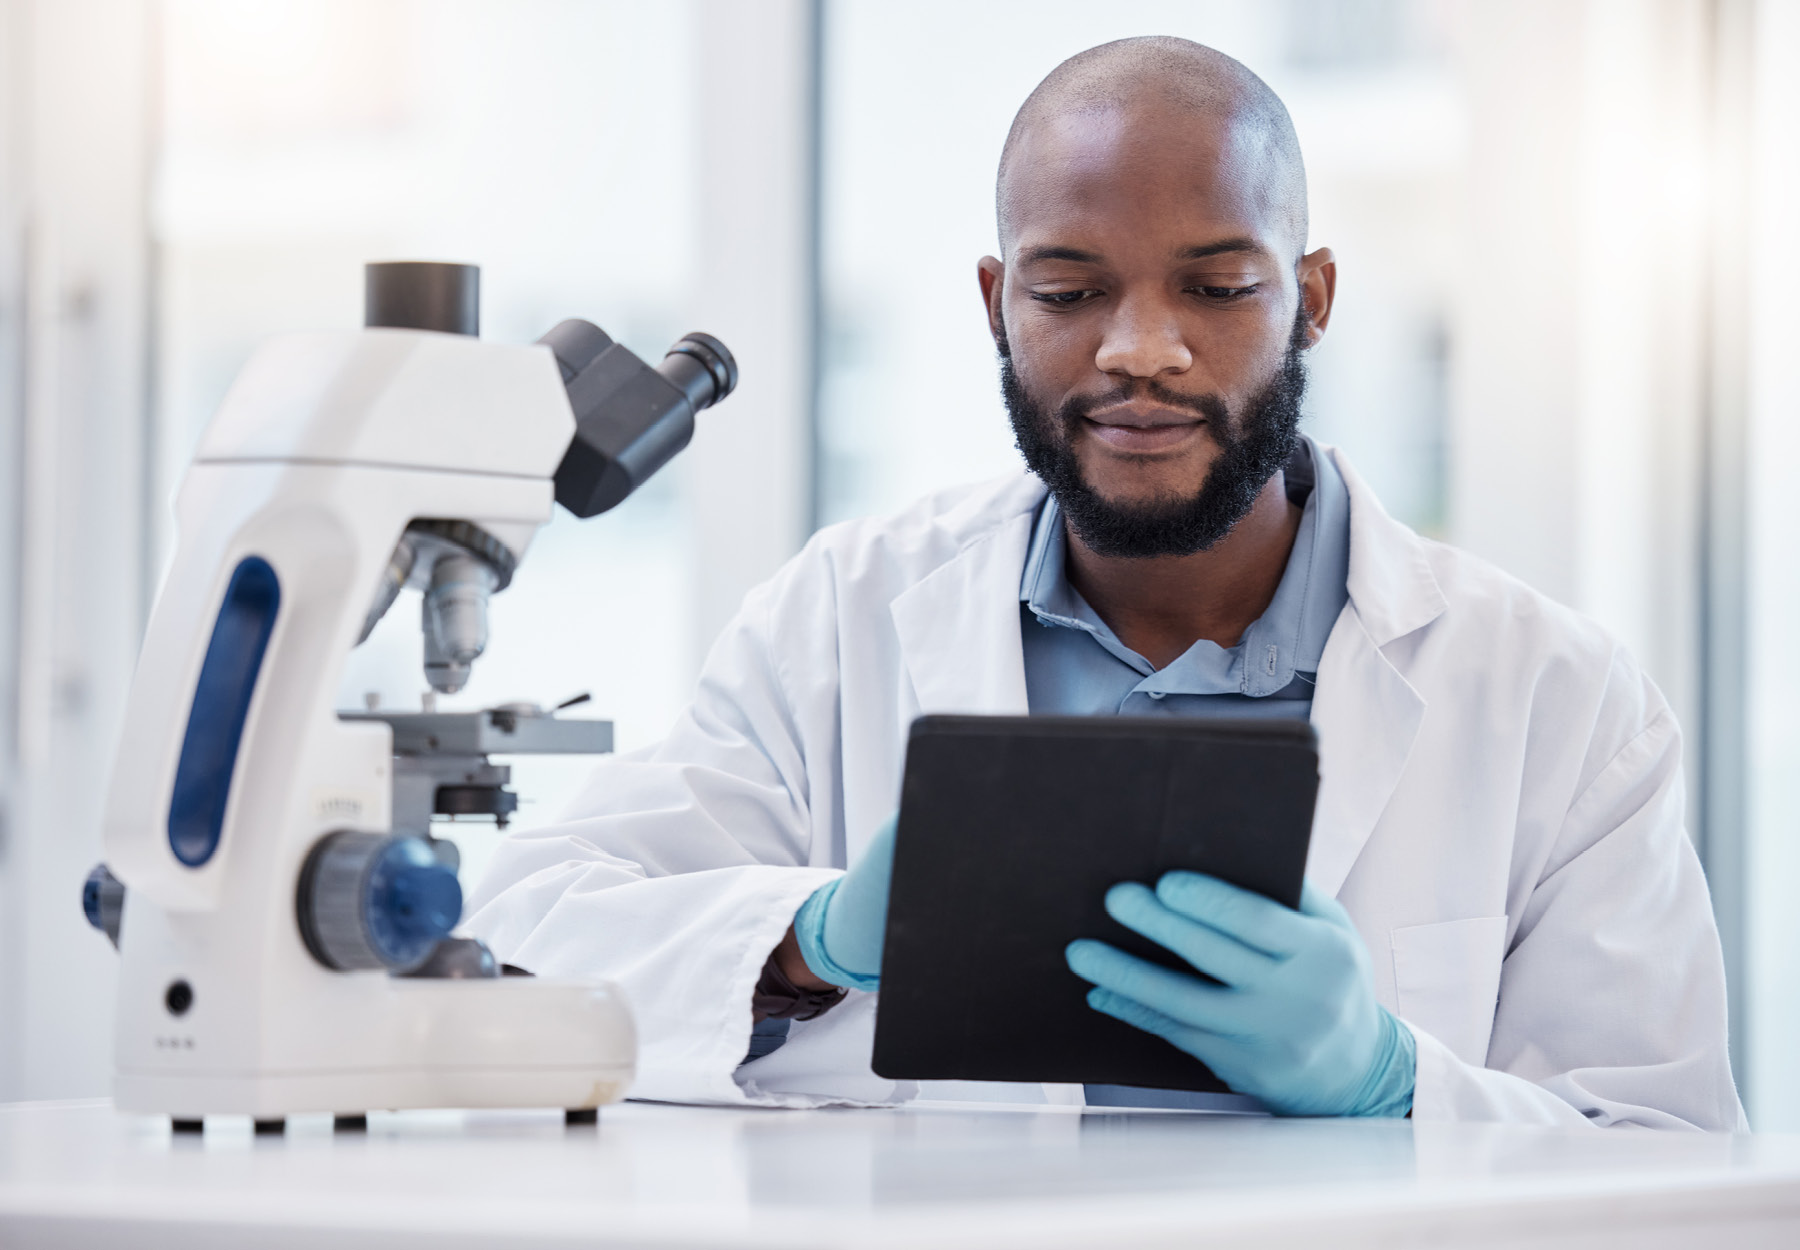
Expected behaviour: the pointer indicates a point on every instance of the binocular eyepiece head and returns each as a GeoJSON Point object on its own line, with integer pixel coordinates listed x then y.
{"type": "Point", "coordinates": [630, 419]}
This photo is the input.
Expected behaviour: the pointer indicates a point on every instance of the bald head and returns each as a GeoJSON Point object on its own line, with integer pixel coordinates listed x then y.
{"type": "Point", "coordinates": [1162, 79]}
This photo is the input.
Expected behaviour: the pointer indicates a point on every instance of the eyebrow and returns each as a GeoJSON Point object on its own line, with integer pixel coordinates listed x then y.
{"type": "Point", "coordinates": [1200, 251]}
{"type": "Point", "coordinates": [1075, 254]}
{"type": "Point", "coordinates": [1223, 247]}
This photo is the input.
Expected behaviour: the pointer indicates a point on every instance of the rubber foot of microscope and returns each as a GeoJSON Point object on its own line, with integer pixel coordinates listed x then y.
{"type": "Point", "coordinates": [576, 1116]}
{"type": "Point", "coordinates": [195, 1125]}
{"type": "Point", "coordinates": [358, 1123]}
{"type": "Point", "coordinates": [271, 1128]}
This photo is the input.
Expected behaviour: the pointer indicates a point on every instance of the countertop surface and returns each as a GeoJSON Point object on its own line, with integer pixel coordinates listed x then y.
{"type": "Point", "coordinates": [74, 1174]}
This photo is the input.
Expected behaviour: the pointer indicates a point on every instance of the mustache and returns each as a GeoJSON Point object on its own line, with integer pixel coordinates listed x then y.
{"type": "Point", "coordinates": [1209, 406]}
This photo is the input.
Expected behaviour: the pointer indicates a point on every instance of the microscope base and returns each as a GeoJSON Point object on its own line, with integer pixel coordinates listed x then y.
{"type": "Point", "coordinates": [378, 1043]}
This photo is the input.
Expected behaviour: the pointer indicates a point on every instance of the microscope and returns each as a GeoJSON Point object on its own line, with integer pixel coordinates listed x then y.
{"type": "Point", "coordinates": [281, 909]}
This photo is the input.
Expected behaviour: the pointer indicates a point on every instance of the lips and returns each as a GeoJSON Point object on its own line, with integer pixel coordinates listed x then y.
{"type": "Point", "coordinates": [1143, 431]}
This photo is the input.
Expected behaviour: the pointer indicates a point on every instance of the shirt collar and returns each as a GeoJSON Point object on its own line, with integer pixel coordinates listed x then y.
{"type": "Point", "coordinates": [1045, 588]}
{"type": "Point", "coordinates": [1286, 641]}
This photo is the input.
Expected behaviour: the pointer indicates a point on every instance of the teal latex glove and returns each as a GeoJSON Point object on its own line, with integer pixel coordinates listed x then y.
{"type": "Point", "coordinates": [1294, 1019]}
{"type": "Point", "coordinates": [841, 926]}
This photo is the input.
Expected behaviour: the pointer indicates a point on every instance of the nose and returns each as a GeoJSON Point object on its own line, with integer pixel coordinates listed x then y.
{"type": "Point", "coordinates": [1143, 340]}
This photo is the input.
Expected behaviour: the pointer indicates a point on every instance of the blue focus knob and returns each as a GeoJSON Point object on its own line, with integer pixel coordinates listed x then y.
{"type": "Point", "coordinates": [103, 901]}
{"type": "Point", "coordinates": [370, 900]}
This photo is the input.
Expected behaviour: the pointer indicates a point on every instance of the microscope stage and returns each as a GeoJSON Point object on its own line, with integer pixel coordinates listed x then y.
{"type": "Point", "coordinates": [494, 731]}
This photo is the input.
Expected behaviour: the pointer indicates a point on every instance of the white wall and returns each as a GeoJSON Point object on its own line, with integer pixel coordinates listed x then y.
{"type": "Point", "coordinates": [79, 95]}
{"type": "Point", "coordinates": [1772, 659]}
{"type": "Point", "coordinates": [13, 61]}
{"type": "Point", "coordinates": [751, 463]}
{"type": "Point", "coordinates": [1625, 405]}
{"type": "Point", "coordinates": [1577, 370]}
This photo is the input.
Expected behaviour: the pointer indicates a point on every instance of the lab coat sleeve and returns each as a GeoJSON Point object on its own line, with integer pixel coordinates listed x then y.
{"type": "Point", "coordinates": [679, 868]}
{"type": "Point", "coordinates": [1611, 1007]}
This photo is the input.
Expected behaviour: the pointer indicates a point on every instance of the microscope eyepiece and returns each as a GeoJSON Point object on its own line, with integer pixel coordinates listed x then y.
{"type": "Point", "coordinates": [716, 361]}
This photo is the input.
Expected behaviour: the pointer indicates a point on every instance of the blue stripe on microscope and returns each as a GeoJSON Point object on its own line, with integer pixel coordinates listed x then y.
{"type": "Point", "coordinates": [221, 704]}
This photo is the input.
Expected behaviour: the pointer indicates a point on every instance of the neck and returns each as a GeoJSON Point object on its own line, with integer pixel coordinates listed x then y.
{"type": "Point", "coordinates": [1160, 607]}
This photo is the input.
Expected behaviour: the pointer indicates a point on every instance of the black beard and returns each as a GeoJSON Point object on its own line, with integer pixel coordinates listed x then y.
{"type": "Point", "coordinates": [1251, 450]}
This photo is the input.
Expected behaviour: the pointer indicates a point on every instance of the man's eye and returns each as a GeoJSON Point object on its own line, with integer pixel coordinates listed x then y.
{"type": "Point", "coordinates": [1224, 292]}
{"type": "Point", "coordinates": [1062, 298]}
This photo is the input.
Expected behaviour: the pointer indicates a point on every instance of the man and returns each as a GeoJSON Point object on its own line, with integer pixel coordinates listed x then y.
{"type": "Point", "coordinates": [1503, 918]}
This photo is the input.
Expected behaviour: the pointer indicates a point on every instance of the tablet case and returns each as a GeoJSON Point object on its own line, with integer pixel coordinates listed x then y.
{"type": "Point", "coordinates": [1011, 831]}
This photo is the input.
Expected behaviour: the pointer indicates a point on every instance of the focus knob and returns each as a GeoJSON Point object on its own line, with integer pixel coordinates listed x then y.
{"type": "Point", "coordinates": [370, 900]}
{"type": "Point", "coordinates": [103, 902]}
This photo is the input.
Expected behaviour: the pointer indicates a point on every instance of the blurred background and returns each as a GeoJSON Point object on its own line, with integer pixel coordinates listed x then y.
{"type": "Point", "coordinates": [1566, 241]}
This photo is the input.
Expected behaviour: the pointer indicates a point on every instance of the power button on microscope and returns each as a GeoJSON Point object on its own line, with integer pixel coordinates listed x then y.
{"type": "Point", "coordinates": [179, 998]}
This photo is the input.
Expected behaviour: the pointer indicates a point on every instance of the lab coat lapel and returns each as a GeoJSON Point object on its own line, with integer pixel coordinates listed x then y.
{"type": "Point", "coordinates": [1366, 713]}
{"type": "Point", "coordinates": [1366, 716]}
{"type": "Point", "coordinates": [959, 627]}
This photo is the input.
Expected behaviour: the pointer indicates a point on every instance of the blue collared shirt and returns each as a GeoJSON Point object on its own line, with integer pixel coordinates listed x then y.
{"type": "Point", "coordinates": [1076, 666]}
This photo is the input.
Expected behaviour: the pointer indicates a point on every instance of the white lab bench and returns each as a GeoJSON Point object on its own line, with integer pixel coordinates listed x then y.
{"type": "Point", "coordinates": [948, 1175]}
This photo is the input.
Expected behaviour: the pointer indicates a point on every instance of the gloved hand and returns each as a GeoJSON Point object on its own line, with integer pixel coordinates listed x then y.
{"type": "Point", "coordinates": [841, 927]}
{"type": "Point", "coordinates": [1294, 1022]}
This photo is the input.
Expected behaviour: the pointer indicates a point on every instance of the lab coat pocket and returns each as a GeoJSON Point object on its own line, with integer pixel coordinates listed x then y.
{"type": "Point", "coordinates": [1447, 980]}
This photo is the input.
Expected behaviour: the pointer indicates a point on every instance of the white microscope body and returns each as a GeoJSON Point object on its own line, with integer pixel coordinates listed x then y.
{"type": "Point", "coordinates": [258, 971]}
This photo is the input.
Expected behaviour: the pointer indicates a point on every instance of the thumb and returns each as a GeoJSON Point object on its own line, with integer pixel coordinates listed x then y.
{"type": "Point", "coordinates": [1315, 902]}
{"type": "Point", "coordinates": [856, 921]}
{"type": "Point", "coordinates": [877, 859]}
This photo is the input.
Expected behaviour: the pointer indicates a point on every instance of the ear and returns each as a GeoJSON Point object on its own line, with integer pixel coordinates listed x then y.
{"type": "Point", "coordinates": [991, 273]}
{"type": "Point", "coordinates": [1317, 274]}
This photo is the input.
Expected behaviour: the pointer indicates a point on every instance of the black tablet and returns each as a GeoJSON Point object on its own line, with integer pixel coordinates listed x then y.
{"type": "Point", "coordinates": [1011, 831]}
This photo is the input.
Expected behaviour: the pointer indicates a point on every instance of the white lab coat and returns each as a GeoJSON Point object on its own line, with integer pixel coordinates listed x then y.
{"type": "Point", "coordinates": [1500, 810]}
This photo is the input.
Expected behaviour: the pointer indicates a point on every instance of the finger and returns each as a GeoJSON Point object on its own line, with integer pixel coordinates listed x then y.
{"type": "Point", "coordinates": [1209, 1048]}
{"type": "Point", "coordinates": [1255, 921]}
{"type": "Point", "coordinates": [1136, 1014]}
{"type": "Point", "coordinates": [1217, 954]}
{"type": "Point", "coordinates": [1177, 995]}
